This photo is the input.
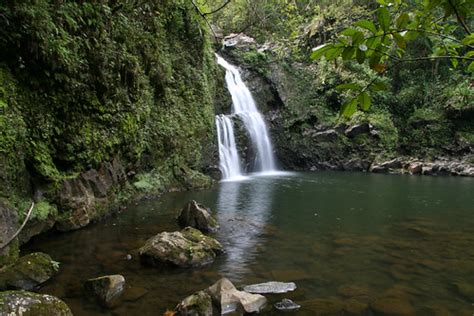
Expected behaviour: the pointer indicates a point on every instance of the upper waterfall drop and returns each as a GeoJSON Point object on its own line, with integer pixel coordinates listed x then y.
{"type": "Point", "coordinates": [243, 105]}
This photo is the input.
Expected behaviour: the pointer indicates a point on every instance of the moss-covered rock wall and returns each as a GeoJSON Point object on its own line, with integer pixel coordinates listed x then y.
{"type": "Point", "coordinates": [84, 84]}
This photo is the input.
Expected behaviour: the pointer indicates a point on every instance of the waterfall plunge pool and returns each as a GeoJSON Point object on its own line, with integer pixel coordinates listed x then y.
{"type": "Point", "coordinates": [335, 234]}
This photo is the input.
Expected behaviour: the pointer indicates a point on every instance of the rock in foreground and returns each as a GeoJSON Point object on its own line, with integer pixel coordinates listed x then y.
{"type": "Point", "coordinates": [106, 289]}
{"type": "Point", "coordinates": [28, 272]}
{"type": "Point", "coordinates": [186, 248]}
{"type": "Point", "coordinates": [287, 305]}
{"type": "Point", "coordinates": [198, 304]}
{"type": "Point", "coordinates": [229, 299]}
{"type": "Point", "coordinates": [270, 287]}
{"type": "Point", "coordinates": [27, 303]}
{"type": "Point", "coordinates": [196, 215]}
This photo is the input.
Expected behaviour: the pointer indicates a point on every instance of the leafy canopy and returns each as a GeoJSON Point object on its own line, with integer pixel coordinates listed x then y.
{"type": "Point", "coordinates": [382, 41]}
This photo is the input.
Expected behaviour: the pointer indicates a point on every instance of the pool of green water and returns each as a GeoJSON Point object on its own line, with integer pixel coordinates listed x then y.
{"type": "Point", "coordinates": [346, 239]}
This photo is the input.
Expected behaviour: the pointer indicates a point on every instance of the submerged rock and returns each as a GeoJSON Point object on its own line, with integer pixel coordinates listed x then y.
{"type": "Point", "coordinates": [466, 290]}
{"type": "Point", "coordinates": [186, 248]}
{"type": "Point", "coordinates": [327, 306]}
{"type": "Point", "coordinates": [270, 287]}
{"type": "Point", "coordinates": [28, 272]}
{"type": "Point", "coordinates": [287, 305]}
{"type": "Point", "coordinates": [196, 215]}
{"type": "Point", "coordinates": [106, 289]}
{"type": "Point", "coordinates": [229, 299]}
{"type": "Point", "coordinates": [27, 303]}
{"type": "Point", "coordinates": [198, 304]}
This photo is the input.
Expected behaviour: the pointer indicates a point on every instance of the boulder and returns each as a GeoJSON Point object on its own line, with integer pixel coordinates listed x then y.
{"type": "Point", "coordinates": [239, 40]}
{"type": "Point", "coordinates": [185, 248]}
{"type": "Point", "coordinates": [270, 287]}
{"type": "Point", "coordinates": [325, 136]}
{"type": "Point", "coordinates": [197, 216]}
{"type": "Point", "coordinates": [415, 168]}
{"type": "Point", "coordinates": [28, 272]}
{"type": "Point", "coordinates": [286, 305]}
{"type": "Point", "coordinates": [466, 290]}
{"type": "Point", "coordinates": [229, 299]}
{"type": "Point", "coordinates": [105, 289]}
{"type": "Point", "coordinates": [392, 164]}
{"type": "Point", "coordinates": [27, 303]}
{"type": "Point", "coordinates": [198, 304]}
{"type": "Point", "coordinates": [353, 131]}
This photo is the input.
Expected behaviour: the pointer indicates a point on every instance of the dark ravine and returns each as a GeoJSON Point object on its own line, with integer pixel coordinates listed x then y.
{"type": "Point", "coordinates": [309, 134]}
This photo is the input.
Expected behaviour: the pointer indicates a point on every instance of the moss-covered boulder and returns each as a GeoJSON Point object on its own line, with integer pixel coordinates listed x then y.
{"type": "Point", "coordinates": [198, 304]}
{"type": "Point", "coordinates": [106, 289]}
{"type": "Point", "coordinates": [186, 248]}
{"type": "Point", "coordinates": [197, 215]}
{"type": "Point", "coordinates": [32, 304]}
{"type": "Point", "coordinates": [28, 272]}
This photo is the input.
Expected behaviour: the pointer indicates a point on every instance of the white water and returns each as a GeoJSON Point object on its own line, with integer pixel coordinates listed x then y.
{"type": "Point", "coordinates": [244, 106]}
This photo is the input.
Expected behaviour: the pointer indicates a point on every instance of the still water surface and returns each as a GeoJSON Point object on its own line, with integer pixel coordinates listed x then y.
{"type": "Point", "coordinates": [336, 235]}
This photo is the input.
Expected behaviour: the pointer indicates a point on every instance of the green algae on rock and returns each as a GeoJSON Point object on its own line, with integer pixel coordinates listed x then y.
{"type": "Point", "coordinates": [28, 303]}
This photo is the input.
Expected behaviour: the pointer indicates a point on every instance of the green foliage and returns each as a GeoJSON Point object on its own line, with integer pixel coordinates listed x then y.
{"type": "Point", "coordinates": [43, 210]}
{"type": "Point", "coordinates": [94, 80]}
{"type": "Point", "coordinates": [383, 43]}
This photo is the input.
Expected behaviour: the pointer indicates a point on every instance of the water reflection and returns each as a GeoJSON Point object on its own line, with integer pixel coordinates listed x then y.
{"type": "Point", "coordinates": [244, 209]}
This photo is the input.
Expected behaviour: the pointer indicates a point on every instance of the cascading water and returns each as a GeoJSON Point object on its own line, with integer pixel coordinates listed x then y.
{"type": "Point", "coordinates": [243, 106]}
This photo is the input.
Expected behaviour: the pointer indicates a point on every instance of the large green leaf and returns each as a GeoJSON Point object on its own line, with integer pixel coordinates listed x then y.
{"type": "Point", "coordinates": [366, 24]}
{"type": "Point", "coordinates": [320, 51]}
{"type": "Point", "coordinates": [348, 86]}
{"type": "Point", "coordinates": [399, 40]}
{"type": "Point", "coordinates": [383, 16]}
{"type": "Point", "coordinates": [349, 108]}
{"type": "Point", "coordinates": [402, 20]}
{"type": "Point", "coordinates": [364, 101]}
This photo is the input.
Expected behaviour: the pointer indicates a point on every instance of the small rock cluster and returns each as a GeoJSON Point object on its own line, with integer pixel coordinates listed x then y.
{"type": "Point", "coordinates": [223, 298]}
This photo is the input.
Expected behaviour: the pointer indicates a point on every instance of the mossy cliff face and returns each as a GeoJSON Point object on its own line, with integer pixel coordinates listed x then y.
{"type": "Point", "coordinates": [103, 98]}
{"type": "Point", "coordinates": [302, 107]}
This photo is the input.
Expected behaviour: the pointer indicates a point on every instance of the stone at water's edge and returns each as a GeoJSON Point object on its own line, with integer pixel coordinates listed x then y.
{"type": "Point", "coordinates": [27, 303]}
{"type": "Point", "coordinates": [197, 216]}
{"type": "Point", "coordinates": [270, 287]}
{"type": "Point", "coordinates": [198, 304]}
{"type": "Point", "coordinates": [186, 248]}
{"type": "Point", "coordinates": [287, 305]}
{"type": "Point", "coordinates": [28, 272]}
{"type": "Point", "coordinates": [229, 299]}
{"type": "Point", "coordinates": [106, 289]}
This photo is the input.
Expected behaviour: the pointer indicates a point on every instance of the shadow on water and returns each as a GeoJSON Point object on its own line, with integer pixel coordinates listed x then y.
{"type": "Point", "coordinates": [342, 237]}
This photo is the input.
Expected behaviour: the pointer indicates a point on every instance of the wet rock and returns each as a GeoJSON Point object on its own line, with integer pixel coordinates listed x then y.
{"type": "Point", "coordinates": [239, 40]}
{"type": "Point", "coordinates": [8, 226]}
{"type": "Point", "coordinates": [270, 287]}
{"type": "Point", "coordinates": [186, 248]}
{"type": "Point", "coordinates": [28, 272]}
{"type": "Point", "coordinates": [328, 306]}
{"type": "Point", "coordinates": [27, 303]}
{"type": "Point", "coordinates": [389, 306]}
{"type": "Point", "coordinates": [356, 165]}
{"type": "Point", "coordinates": [353, 131]}
{"type": "Point", "coordinates": [287, 305]}
{"type": "Point", "coordinates": [197, 216]}
{"type": "Point", "coordinates": [198, 304]}
{"type": "Point", "coordinates": [415, 168]}
{"type": "Point", "coordinates": [229, 299]}
{"type": "Point", "coordinates": [106, 289]}
{"type": "Point", "coordinates": [466, 290]}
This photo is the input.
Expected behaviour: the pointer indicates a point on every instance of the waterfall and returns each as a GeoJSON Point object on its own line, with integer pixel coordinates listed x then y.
{"type": "Point", "coordinates": [243, 106]}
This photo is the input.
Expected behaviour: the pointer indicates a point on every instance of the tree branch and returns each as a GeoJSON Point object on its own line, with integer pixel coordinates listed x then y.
{"type": "Point", "coordinates": [21, 227]}
{"type": "Point", "coordinates": [458, 16]}
{"type": "Point", "coordinates": [218, 9]}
